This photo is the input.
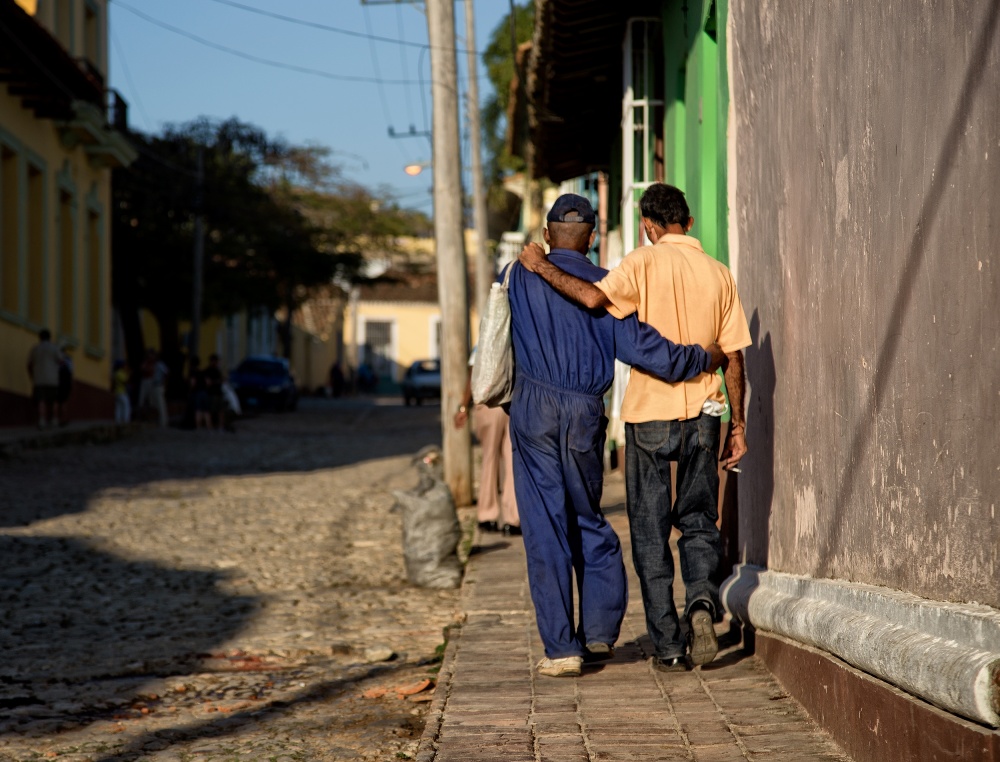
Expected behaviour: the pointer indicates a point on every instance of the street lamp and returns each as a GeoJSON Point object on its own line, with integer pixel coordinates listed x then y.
{"type": "Point", "coordinates": [415, 169]}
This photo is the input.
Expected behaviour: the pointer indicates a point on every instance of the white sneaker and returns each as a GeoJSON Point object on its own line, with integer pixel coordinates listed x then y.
{"type": "Point", "coordinates": [567, 666]}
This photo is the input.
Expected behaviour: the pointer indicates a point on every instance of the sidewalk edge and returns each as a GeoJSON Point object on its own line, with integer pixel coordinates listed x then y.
{"type": "Point", "coordinates": [427, 749]}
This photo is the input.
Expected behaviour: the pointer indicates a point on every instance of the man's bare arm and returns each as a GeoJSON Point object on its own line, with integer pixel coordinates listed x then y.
{"type": "Point", "coordinates": [719, 358]}
{"type": "Point", "coordinates": [736, 443]}
{"type": "Point", "coordinates": [580, 291]}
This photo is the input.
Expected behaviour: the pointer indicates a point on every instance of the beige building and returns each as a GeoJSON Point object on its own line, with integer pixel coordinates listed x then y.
{"type": "Point", "coordinates": [60, 136]}
{"type": "Point", "coordinates": [395, 319]}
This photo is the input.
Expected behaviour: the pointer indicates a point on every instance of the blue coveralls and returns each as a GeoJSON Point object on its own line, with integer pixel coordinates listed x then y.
{"type": "Point", "coordinates": [564, 357]}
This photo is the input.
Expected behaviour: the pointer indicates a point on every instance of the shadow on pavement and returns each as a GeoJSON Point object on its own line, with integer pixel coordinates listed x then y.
{"type": "Point", "coordinates": [83, 629]}
{"type": "Point", "coordinates": [90, 626]}
{"type": "Point", "coordinates": [40, 485]}
{"type": "Point", "coordinates": [478, 550]}
{"type": "Point", "coordinates": [232, 723]}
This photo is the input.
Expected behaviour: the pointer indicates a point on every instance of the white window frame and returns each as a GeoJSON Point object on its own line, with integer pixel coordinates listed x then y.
{"type": "Point", "coordinates": [393, 355]}
{"type": "Point", "coordinates": [632, 186]}
{"type": "Point", "coordinates": [433, 345]}
{"type": "Point", "coordinates": [634, 103]}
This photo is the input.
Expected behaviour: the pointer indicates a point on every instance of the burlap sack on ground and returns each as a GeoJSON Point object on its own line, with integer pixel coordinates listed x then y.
{"type": "Point", "coordinates": [431, 531]}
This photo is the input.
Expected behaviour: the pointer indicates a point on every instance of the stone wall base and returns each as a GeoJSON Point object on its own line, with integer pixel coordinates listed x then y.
{"type": "Point", "coordinates": [870, 719]}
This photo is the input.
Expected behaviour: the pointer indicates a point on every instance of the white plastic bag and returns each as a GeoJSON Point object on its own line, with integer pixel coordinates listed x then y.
{"type": "Point", "coordinates": [493, 371]}
{"type": "Point", "coordinates": [229, 395]}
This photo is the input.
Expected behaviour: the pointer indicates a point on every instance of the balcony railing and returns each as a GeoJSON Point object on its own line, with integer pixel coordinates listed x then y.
{"type": "Point", "coordinates": [90, 70]}
{"type": "Point", "coordinates": [117, 111]}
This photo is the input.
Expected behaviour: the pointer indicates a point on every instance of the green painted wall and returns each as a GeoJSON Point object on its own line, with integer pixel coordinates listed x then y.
{"type": "Point", "coordinates": [696, 96]}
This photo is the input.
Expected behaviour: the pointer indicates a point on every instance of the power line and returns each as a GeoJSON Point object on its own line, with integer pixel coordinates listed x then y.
{"type": "Point", "coordinates": [325, 27]}
{"type": "Point", "coordinates": [128, 78]}
{"type": "Point", "coordinates": [402, 56]}
{"type": "Point", "coordinates": [265, 61]}
{"type": "Point", "coordinates": [378, 74]}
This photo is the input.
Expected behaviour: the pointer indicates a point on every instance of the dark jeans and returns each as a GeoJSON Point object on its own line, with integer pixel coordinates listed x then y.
{"type": "Point", "coordinates": [649, 449]}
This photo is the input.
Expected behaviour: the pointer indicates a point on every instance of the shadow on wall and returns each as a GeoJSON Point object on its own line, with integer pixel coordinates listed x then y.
{"type": "Point", "coordinates": [952, 146]}
{"type": "Point", "coordinates": [758, 465]}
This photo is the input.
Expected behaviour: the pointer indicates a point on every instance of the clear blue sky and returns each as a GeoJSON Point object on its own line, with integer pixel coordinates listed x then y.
{"type": "Point", "coordinates": [169, 78]}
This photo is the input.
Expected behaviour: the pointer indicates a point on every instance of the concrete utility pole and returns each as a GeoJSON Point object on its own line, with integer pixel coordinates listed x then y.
{"type": "Point", "coordinates": [198, 289]}
{"type": "Point", "coordinates": [485, 273]}
{"type": "Point", "coordinates": [453, 287]}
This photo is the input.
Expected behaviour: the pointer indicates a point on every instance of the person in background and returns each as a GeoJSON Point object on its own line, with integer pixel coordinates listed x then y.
{"type": "Point", "coordinates": [198, 386]}
{"type": "Point", "coordinates": [336, 380]}
{"type": "Point", "coordinates": [119, 386]}
{"type": "Point", "coordinates": [213, 385]}
{"type": "Point", "coordinates": [153, 385]}
{"type": "Point", "coordinates": [43, 368]}
{"type": "Point", "coordinates": [65, 383]}
{"type": "Point", "coordinates": [496, 508]}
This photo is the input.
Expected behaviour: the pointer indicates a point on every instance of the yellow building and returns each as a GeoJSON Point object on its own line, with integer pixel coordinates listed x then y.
{"type": "Point", "coordinates": [395, 319]}
{"type": "Point", "coordinates": [60, 136]}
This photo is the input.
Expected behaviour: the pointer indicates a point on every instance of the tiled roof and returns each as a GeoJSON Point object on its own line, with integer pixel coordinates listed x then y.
{"type": "Point", "coordinates": [398, 286]}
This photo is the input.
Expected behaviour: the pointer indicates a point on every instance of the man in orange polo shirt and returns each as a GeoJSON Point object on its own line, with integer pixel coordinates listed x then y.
{"type": "Point", "coordinates": [690, 298]}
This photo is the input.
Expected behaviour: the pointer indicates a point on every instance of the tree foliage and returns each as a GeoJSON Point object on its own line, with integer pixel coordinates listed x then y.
{"type": "Point", "coordinates": [499, 61]}
{"type": "Point", "coordinates": [279, 219]}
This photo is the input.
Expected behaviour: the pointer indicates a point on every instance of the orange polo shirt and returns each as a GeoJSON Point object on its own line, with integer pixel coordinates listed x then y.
{"type": "Point", "coordinates": [691, 299]}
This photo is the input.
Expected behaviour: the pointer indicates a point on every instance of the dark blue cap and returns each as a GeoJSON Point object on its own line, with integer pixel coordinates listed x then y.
{"type": "Point", "coordinates": [572, 208]}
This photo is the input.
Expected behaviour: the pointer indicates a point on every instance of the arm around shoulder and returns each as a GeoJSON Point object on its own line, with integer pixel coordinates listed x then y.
{"type": "Point", "coordinates": [642, 346]}
{"type": "Point", "coordinates": [534, 260]}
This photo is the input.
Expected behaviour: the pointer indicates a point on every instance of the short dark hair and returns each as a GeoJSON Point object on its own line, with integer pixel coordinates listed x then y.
{"type": "Point", "coordinates": [665, 205]}
{"type": "Point", "coordinates": [570, 235]}
{"type": "Point", "coordinates": [45, 334]}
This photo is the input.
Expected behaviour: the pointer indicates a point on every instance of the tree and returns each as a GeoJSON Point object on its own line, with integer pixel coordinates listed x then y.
{"type": "Point", "coordinates": [499, 60]}
{"type": "Point", "coordinates": [280, 221]}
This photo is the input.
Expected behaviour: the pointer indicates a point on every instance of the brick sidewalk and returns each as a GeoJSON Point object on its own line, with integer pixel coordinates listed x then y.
{"type": "Point", "coordinates": [491, 706]}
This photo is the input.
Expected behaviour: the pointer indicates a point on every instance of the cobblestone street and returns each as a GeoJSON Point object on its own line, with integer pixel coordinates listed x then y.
{"type": "Point", "coordinates": [184, 595]}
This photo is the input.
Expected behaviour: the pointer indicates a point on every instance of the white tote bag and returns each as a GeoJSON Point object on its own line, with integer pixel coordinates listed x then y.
{"type": "Point", "coordinates": [493, 371]}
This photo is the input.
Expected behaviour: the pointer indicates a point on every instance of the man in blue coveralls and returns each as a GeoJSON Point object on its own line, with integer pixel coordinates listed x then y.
{"type": "Point", "coordinates": [565, 357]}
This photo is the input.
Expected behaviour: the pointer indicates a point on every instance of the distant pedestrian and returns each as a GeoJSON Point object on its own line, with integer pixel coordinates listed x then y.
{"type": "Point", "coordinates": [336, 380]}
{"type": "Point", "coordinates": [65, 387]}
{"type": "Point", "coordinates": [496, 507]}
{"type": "Point", "coordinates": [213, 385]}
{"type": "Point", "coordinates": [146, 371]}
{"type": "Point", "coordinates": [200, 402]}
{"type": "Point", "coordinates": [119, 386]}
{"type": "Point", "coordinates": [153, 385]}
{"type": "Point", "coordinates": [160, 373]}
{"type": "Point", "coordinates": [366, 378]}
{"type": "Point", "coordinates": [43, 368]}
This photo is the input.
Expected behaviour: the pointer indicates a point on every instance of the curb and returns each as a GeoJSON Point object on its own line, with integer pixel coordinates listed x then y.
{"type": "Point", "coordinates": [427, 748]}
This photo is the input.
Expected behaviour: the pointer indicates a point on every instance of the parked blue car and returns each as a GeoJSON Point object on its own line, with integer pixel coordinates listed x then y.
{"type": "Point", "coordinates": [422, 381]}
{"type": "Point", "coordinates": [265, 382]}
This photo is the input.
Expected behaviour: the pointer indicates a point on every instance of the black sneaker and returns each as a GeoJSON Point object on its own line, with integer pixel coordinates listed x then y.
{"type": "Point", "coordinates": [488, 526]}
{"type": "Point", "coordinates": [704, 643]}
{"type": "Point", "coordinates": [674, 664]}
{"type": "Point", "coordinates": [510, 530]}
